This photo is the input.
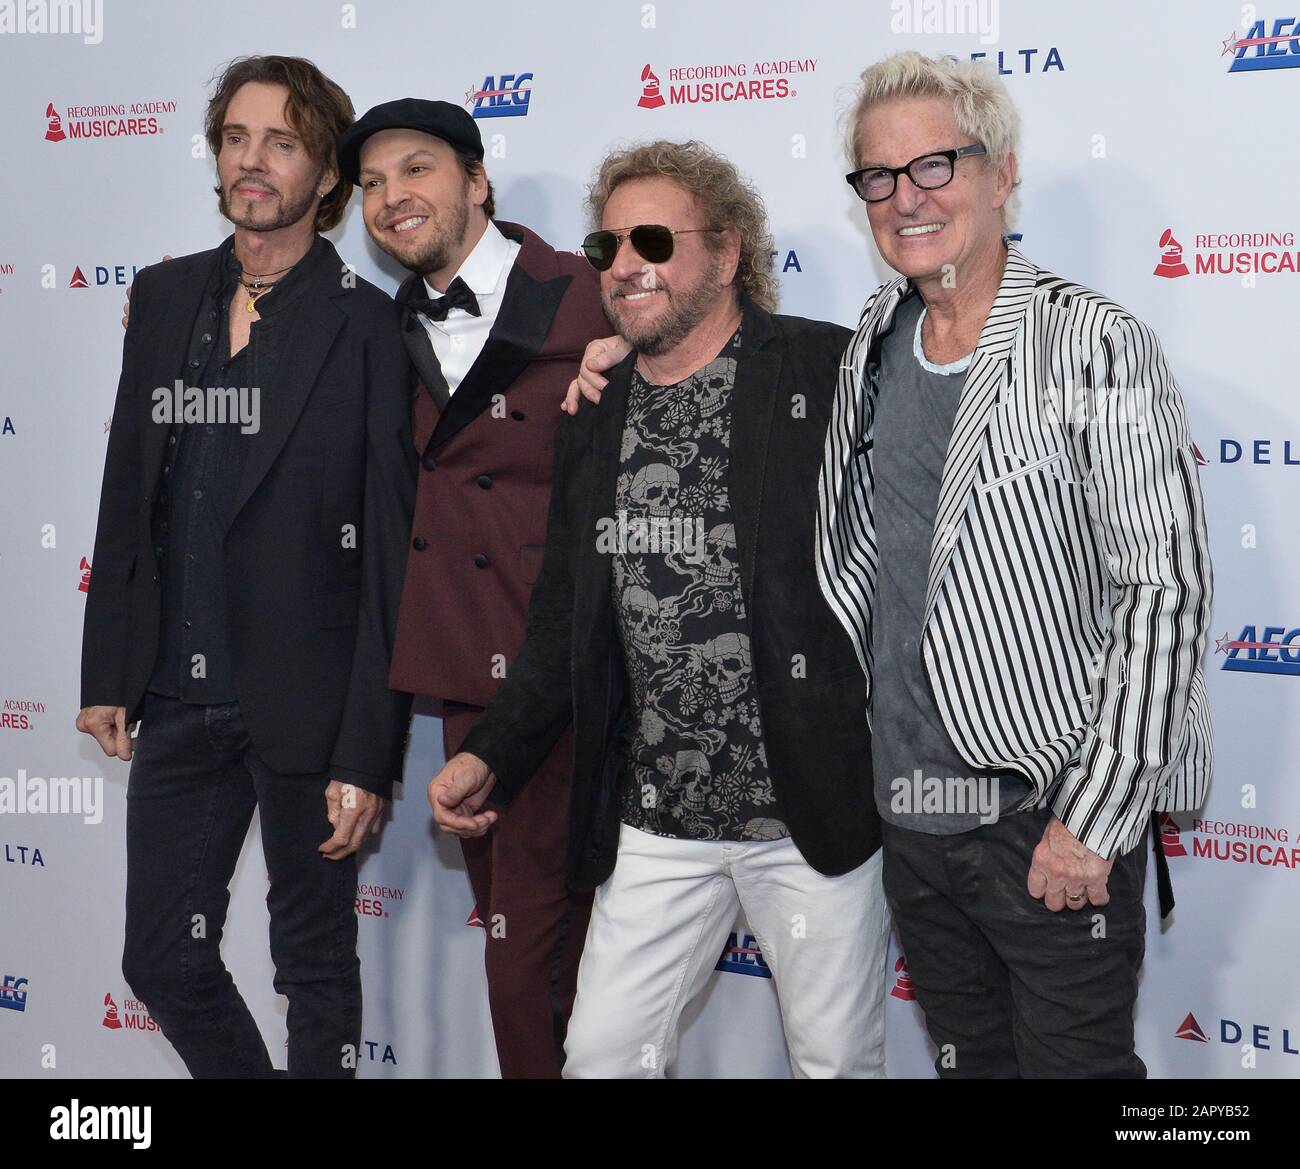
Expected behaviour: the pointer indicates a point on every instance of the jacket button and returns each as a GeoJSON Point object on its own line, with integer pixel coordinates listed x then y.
{"type": "Point", "coordinates": [518, 415]}
{"type": "Point", "coordinates": [480, 560]}
{"type": "Point", "coordinates": [429, 462]}
{"type": "Point", "coordinates": [485, 481]}
{"type": "Point", "coordinates": [419, 543]}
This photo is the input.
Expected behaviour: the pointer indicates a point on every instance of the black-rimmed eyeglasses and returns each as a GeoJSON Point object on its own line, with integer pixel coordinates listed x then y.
{"type": "Point", "coordinates": [875, 184]}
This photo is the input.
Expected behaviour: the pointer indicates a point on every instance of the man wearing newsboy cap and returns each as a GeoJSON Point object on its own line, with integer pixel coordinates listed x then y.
{"type": "Point", "coordinates": [494, 320]}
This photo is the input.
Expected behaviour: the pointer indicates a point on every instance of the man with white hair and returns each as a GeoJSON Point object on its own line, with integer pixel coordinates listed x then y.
{"type": "Point", "coordinates": [1011, 530]}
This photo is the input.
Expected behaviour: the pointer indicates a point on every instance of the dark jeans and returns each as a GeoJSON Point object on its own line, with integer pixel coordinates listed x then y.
{"type": "Point", "coordinates": [195, 781]}
{"type": "Point", "coordinates": [1008, 987]}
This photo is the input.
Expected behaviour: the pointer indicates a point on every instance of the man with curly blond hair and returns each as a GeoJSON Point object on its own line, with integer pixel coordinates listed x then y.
{"type": "Point", "coordinates": [721, 756]}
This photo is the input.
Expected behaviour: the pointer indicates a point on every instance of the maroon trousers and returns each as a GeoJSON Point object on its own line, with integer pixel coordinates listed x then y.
{"type": "Point", "coordinates": [535, 927]}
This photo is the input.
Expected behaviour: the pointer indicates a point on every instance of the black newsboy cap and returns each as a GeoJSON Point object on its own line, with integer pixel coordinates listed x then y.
{"type": "Point", "coordinates": [440, 118]}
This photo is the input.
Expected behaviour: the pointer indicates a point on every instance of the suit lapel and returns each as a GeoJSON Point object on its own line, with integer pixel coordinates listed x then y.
{"type": "Point", "coordinates": [420, 350]}
{"type": "Point", "coordinates": [753, 401]}
{"type": "Point", "coordinates": [419, 347]}
{"type": "Point", "coordinates": [172, 337]}
{"type": "Point", "coordinates": [296, 375]}
{"type": "Point", "coordinates": [527, 310]}
{"type": "Point", "coordinates": [595, 565]}
{"type": "Point", "coordinates": [990, 370]}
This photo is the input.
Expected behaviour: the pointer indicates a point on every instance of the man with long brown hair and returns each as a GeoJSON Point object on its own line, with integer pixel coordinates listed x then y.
{"type": "Point", "coordinates": [248, 560]}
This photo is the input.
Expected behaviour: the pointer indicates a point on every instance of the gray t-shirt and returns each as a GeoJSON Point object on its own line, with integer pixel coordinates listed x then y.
{"type": "Point", "coordinates": [698, 764]}
{"type": "Point", "coordinates": [921, 780]}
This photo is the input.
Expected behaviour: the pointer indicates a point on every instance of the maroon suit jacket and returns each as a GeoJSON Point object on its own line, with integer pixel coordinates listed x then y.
{"type": "Point", "coordinates": [485, 477]}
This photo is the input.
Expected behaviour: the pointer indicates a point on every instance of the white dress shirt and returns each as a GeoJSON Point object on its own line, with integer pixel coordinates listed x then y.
{"type": "Point", "coordinates": [459, 339]}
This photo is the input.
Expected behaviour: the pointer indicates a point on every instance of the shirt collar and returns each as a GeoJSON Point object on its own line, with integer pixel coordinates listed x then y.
{"type": "Point", "coordinates": [483, 266]}
{"type": "Point", "coordinates": [286, 289]}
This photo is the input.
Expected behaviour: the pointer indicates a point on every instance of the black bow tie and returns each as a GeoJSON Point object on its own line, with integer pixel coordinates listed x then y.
{"type": "Point", "coordinates": [458, 295]}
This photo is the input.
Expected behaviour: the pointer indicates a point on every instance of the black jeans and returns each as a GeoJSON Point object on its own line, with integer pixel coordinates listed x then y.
{"type": "Point", "coordinates": [1008, 987]}
{"type": "Point", "coordinates": [194, 783]}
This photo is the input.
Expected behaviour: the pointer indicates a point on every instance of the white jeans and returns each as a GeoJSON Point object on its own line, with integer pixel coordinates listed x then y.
{"type": "Point", "coordinates": [659, 924]}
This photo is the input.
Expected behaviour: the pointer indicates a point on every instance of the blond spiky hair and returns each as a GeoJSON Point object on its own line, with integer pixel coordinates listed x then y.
{"type": "Point", "coordinates": [981, 105]}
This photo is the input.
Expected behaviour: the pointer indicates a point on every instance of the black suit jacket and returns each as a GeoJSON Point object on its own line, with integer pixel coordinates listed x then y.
{"type": "Point", "coordinates": [811, 689]}
{"type": "Point", "coordinates": [311, 614]}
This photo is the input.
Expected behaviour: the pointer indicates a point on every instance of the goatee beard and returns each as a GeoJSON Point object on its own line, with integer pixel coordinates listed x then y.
{"type": "Point", "coordinates": [685, 311]}
{"type": "Point", "coordinates": [439, 250]}
{"type": "Point", "coordinates": [287, 215]}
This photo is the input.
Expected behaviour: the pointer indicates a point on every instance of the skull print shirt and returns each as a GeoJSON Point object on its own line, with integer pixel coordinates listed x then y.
{"type": "Point", "coordinates": [697, 767]}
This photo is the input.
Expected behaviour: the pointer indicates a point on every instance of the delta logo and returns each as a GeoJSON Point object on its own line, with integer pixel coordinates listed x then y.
{"type": "Point", "coordinates": [83, 576]}
{"type": "Point", "coordinates": [13, 993]}
{"type": "Point", "coordinates": [903, 988]}
{"type": "Point", "coordinates": [1262, 1037]}
{"type": "Point", "coordinates": [374, 1054]}
{"type": "Point", "coordinates": [475, 918]}
{"type": "Point", "coordinates": [1005, 59]}
{"type": "Point", "coordinates": [378, 900]}
{"type": "Point", "coordinates": [1260, 49]}
{"type": "Point", "coordinates": [1277, 651]}
{"type": "Point", "coordinates": [133, 1015]}
{"type": "Point", "coordinates": [23, 854]}
{"type": "Point", "coordinates": [15, 714]}
{"type": "Point", "coordinates": [136, 119]}
{"type": "Point", "coordinates": [740, 81]}
{"type": "Point", "coordinates": [1228, 253]}
{"type": "Point", "coordinates": [106, 276]}
{"type": "Point", "coordinates": [741, 955]}
{"type": "Point", "coordinates": [1268, 846]}
{"type": "Point", "coordinates": [1261, 452]}
{"type": "Point", "coordinates": [507, 98]}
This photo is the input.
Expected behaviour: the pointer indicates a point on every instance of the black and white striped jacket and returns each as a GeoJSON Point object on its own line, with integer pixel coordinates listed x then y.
{"type": "Point", "coordinates": [1069, 587]}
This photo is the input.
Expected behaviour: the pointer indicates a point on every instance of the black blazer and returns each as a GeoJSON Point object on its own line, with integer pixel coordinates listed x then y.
{"type": "Point", "coordinates": [311, 620]}
{"type": "Point", "coordinates": [812, 691]}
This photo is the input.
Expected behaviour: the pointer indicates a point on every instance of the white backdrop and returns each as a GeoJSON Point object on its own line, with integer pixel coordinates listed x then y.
{"type": "Point", "coordinates": [1134, 123]}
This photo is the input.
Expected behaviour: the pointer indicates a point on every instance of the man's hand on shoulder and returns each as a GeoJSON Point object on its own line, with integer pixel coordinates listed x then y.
{"type": "Point", "coordinates": [126, 305]}
{"type": "Point", "coordinates": [590, 383]}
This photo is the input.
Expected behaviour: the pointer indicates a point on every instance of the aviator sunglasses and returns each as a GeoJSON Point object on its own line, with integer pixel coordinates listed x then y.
{"type": "Point", "coordinates": [652, 242]}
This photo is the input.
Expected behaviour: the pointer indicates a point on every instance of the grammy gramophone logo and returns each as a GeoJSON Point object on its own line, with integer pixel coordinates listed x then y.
{"type": "Point", "coordinates": [651, 98]}
{"type": "Point", "coordinates": [53, 125]}
{"type": "Point", "coordinates": [1171, 256]}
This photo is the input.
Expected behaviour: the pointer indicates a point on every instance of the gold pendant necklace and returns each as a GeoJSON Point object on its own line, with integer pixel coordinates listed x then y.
{"type": "Point", "coordinates": [255, 290]}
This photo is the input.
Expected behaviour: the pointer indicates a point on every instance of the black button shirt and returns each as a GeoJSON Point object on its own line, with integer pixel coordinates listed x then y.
{"type": "Point", "coordinates": [200, 482]}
